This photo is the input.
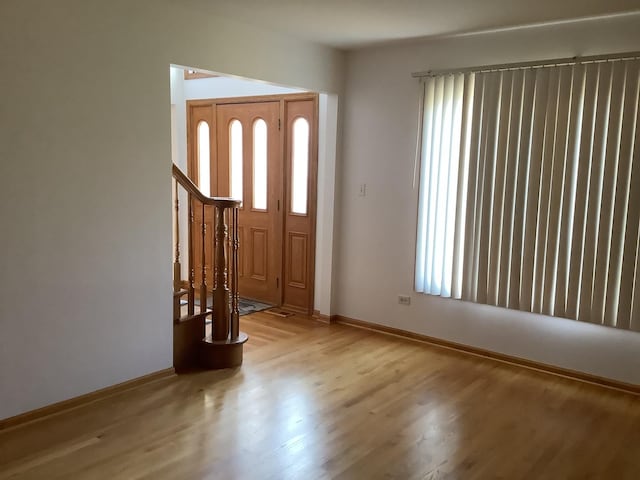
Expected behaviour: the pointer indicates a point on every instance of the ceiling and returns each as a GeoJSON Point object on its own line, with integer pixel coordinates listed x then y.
{"type": "Point", "coordinates": [356, 23]}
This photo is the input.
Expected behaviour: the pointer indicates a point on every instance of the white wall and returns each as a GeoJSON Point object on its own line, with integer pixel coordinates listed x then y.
{"type": "Point", "coordinates": [325, 216]}
{"type": "Point", "coordinates": [179, 124]}
{"type": "Point", "coordinates": [376, 233]}
{"type": "Point", "coordinates": [226, 87]}
{"type": "Point", "coordinates": [85, 157]}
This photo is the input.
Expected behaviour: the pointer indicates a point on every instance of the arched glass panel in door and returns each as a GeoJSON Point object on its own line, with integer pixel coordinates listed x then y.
{"type": "Point", "coordinates": [259, 165]}
{"type": "Point", "coordinates": [300, 166]}
{"type": "Point", "coordinates": [204, 158]}
{"type": "Point", "coordinates": [235, 155]}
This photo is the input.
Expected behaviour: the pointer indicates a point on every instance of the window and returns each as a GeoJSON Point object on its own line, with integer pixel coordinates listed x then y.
{"type": "Point", "coordinates": [300, 166]}
{"type": "Point", "coordinates": [204, 159]}
{"type": "Point", "coordinates": [526, 197]}
{"type": "Point", "coordinates": [260, 164]}
{"type": "Point", "coordinates": [235, 154]}
{"type": "Point", "coordinates": [440, 172]}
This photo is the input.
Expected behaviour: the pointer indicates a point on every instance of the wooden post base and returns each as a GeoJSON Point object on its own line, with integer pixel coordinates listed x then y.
{"type": "Point", "coordinates": [222, 354]}
{"type": "Point", "coordinates": [186, 340]}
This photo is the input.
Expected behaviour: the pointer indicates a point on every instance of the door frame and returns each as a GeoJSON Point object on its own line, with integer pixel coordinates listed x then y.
{"type": "Point", "coordinates": [283, 99]}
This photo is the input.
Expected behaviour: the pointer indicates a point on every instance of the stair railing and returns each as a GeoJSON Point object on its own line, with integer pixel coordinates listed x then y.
{"type": "Point", "coordinates": [222, 214]}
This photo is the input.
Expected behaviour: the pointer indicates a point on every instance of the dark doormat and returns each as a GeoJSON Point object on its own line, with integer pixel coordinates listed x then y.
{"type": "Point", "coordinates": [245, 305]}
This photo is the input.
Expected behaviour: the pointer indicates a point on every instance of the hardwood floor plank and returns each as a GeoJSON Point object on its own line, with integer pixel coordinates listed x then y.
{"type": "Point", "coordinates": [316, 401]}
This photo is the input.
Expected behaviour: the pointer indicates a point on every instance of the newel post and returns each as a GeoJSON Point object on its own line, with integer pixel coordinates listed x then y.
{"type": "Point", "coordinates": [223, 349]}
{"type": "Point", "coordinates": [221, 292]}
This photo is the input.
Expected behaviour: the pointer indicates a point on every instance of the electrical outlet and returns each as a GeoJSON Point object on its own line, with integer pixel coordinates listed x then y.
{"type": "Point", "coordinates": [363, 190]}
{"type": "Point", "coordinates": [404, 299]}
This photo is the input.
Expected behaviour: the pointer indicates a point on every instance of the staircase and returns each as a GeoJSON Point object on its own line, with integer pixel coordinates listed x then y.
{"type": "Point", "coordinates": [193, 346]}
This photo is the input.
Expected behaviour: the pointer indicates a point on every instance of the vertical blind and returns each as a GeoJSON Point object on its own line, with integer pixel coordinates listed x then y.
{"type": "Point", "coordinates": [530, 190]}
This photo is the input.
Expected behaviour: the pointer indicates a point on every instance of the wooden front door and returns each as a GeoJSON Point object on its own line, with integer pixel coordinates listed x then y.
{"type": "Point", "coordinates": [300, 140]}
{"type": "Point", "coordinates": [249, 168]}
{"type": "Point", "coordinates": [263, 151]}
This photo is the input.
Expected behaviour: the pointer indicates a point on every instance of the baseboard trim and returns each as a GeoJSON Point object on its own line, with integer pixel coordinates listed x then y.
{"type": "Point", "coordinates": [82, 400]}
{"type": "Point", "coordinates": [295, 309]}
{"type": "Point", "coordinates": [329, 319]}
{"type": "Point", "coordinates": [500, 357]}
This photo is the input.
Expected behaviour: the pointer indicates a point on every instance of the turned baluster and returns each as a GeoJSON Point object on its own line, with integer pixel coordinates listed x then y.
{"type": "Point", "coordinates": [191, 287]}
{"type": "Point", "coordinates": [177, 281]}
{"type": "Point", "coordinates": [177, 273]}
{"type": "Point", "coordinates": [203, 284]}
{"type": "Point", "coordinates": [221, 292]}
{"type": "Point", "coordinates": [235, 300]}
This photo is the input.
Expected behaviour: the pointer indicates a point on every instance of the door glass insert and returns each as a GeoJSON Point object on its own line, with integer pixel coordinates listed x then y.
{"type": "Point", "coordinates": [204, 159]}
{"type": "Point", "coordinates": [300, 166]}
{"type": "Point", "coordinates": [259, 165]}
{"type": "Point", "coordinates": [235, 154]}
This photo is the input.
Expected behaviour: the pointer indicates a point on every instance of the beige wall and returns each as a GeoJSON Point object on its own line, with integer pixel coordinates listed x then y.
{"type": "Point", "coordinates": [85, 203]}
{"type": "Point", "coordinates": [376, 238]}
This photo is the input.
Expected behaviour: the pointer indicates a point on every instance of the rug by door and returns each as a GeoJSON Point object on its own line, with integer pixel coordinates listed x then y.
{"type": "Point", "coordinates": [245, 305]}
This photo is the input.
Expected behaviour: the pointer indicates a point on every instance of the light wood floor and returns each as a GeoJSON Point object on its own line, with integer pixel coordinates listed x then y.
{"type": "Point", "coordinates": [317, 401]}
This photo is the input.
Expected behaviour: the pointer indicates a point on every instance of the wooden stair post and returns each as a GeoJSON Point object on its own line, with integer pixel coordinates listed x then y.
{"type": "Point", "coordinates": [224, 347]}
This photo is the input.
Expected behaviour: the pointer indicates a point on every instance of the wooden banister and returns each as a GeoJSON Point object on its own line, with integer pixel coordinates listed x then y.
{"type": "Point", "coordinates": [223, 348]}
{"type": "Point", "coordinates": [192, 188]}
